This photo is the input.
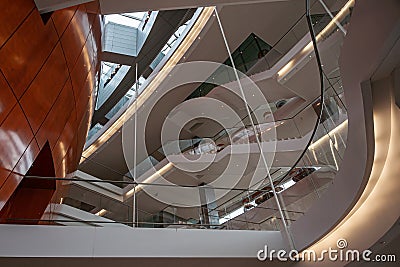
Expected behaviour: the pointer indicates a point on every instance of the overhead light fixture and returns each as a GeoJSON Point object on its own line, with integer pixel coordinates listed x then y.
{"type": "Point", "coordinates": [150, 179]}
{"type": "Point", "coordinates": [101, 212]}
{"type": "Point", "coordinates": [298, 61]}
{"type": "Point", "coordinates": [328, 135]}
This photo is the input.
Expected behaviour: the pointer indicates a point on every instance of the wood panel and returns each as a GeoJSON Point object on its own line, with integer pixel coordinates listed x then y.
{"type": "Point", "coordinates": [61, 148]}
{"type": "Point", "coordinates": [57, 117]}
{"type": "Point", "coordinates": [93, 7]}
{"type": "Point", "coordinates": [47, 73]}
{"type": "Point", "coordinates": [29, 156]}
{"type": "Point", "coordinates": [26, 51]}
{"type": "Point", "coordinates": [15, 137]}
{"type": "Point", "coordinates": [7, 99]}
{"type": "Point", "coordinates": [6, 192]}
{"type": "Point", "coordinates": [12, 15]}
{"type": "Point", "coordinates": [85, 94]}
{"type": "Point", "coordinates": [83, 129]}
{"type": "Point", "coordinates": [80, 71]}
{"type": "Point", "coordinates": [31, 197]}
{"type": "Point", "coordinates": [69, 159]}
{"type": "Point", "coordinates": [73, 40]}
{"type": "Point", "coordinates": [3, 177]}
{"type": "Point", "coordinates": [97, 33]}
{"type": "Point", "coordinates": [17, 174]}
{"type": "Point", "coordinates": [62, 18]}
{"type": "Point", "coordinates": [37, 102]}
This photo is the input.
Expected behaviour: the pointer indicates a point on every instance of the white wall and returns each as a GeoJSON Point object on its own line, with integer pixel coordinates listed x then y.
{"type": "Point", "coordinates": [81, 241]}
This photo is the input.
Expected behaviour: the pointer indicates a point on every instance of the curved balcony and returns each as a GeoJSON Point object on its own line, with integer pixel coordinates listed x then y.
{"type": "Point", "coordinates": [322, 121]}
{"type": "Point", "coordinates": [341, 171]}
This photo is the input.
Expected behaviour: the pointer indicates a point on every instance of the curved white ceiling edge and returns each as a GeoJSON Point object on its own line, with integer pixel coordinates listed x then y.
{"type": "Point", "coordinates": [376, 210]}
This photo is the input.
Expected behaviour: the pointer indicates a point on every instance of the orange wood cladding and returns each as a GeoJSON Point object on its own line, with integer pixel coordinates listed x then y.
{"type": "Point", "coordinates": [47, 76]}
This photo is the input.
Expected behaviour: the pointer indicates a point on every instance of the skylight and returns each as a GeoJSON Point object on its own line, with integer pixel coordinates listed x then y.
{"type": "Point", "coordinates": [127, 19]}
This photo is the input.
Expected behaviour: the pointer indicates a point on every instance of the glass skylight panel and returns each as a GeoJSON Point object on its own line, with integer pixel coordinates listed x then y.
{"type": "Point", "coordinates": [127, 19]}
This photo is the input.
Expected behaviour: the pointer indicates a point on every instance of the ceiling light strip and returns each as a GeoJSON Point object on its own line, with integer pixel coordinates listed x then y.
{"type": "Point", "coordinates": [150, 179]}
{"type": "Point", "coordinates": [328, 136]}
{"type": "Point", "coordinates": [285, 70]}
{"type": "Point", "coordinates": [101, 212]}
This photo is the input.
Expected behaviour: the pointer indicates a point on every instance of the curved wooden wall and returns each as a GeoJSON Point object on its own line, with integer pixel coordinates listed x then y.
{"type": "Point", "coordinates": [47, 75]}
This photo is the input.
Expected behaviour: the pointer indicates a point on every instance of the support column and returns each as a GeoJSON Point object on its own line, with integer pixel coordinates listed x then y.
{"type": "Point", "coordinates": [208, 212]}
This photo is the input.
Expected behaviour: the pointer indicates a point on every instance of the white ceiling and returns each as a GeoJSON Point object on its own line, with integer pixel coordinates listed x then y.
{"type": "Point", "coordinates": [121, 6]}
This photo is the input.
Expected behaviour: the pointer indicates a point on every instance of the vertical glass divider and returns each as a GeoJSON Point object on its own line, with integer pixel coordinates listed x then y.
{"type": "Point", "coordinates": [285, 226]}
{"type": "Point", "coordinates": [135, 147]}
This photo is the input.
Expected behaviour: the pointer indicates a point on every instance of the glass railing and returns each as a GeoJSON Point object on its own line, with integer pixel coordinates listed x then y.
{"type": "Point", "coordinates": [320, 127]}
{"type": "Point", "coordinates": [252, 207]}
{"type": "Point", "coordinates": [94, 202]}
{"type": "Point", "coordinates": [245, 57]}
{"type": "Point", "coordinates": [314, 172]}
{"type": "Point", "coordinates": [317, 162]}
{"type": "Point", "coordinates": [325, 151]}
{"type": "Point", "coordinates": [320, 20]}
{"type": "Point", "coordinates": [286, 129]}
{"type": "Point", "coordinates": [299, 125]}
